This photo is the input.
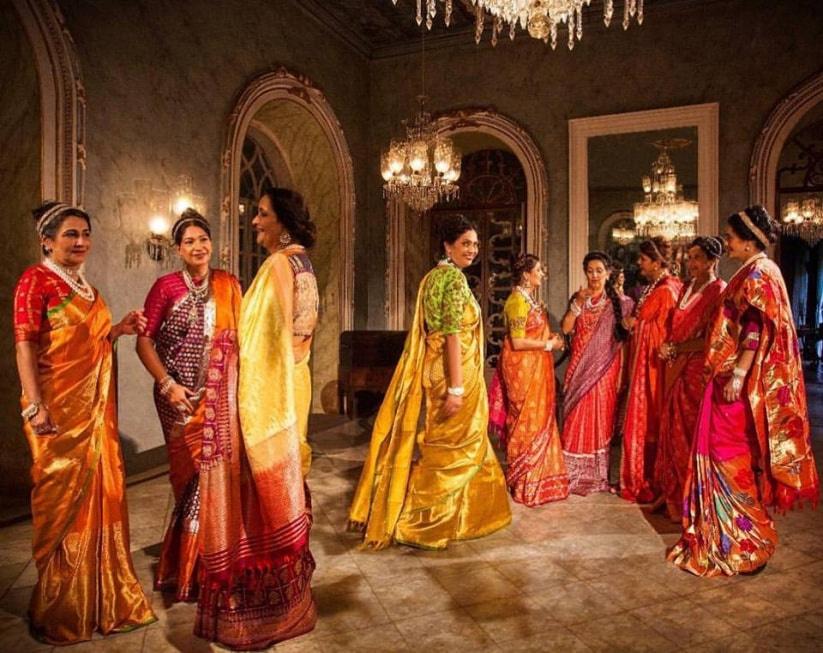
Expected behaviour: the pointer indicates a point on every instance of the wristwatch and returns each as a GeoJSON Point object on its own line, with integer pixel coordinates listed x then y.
{"type": "Point", "coordinates": [31, 410]}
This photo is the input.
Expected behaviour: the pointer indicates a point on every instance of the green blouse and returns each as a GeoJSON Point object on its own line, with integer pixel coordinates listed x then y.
{"type": "Point", "coordinates": [516, 312]}
{"type": "Point", "coordinates": [444, 299]}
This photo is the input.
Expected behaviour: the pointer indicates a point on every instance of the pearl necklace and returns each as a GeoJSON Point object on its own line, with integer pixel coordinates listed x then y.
{"type": "Point", "coordinates": [691, 295]}
{"type": "Point", "coordinates": [534, 304]}
{"type": "Point", "coordinates": [649, 289]}
{"type": "Point", "coordinates": [79, 285]}
{"type": "Point", "coordinates": [198, 293]}
{"type": "Point", "coordinates": [591, 305]}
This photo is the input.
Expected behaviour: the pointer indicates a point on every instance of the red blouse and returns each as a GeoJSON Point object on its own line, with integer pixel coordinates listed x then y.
{"type": "Point", "coordinates": [38, 292]}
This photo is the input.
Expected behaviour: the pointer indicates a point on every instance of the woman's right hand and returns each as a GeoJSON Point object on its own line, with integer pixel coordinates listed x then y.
{"type": "Point", "coordinates": [451, 406]}
{"type": "Point", "coordinates": [179, 397]}
{"type": "Point", "coordinates": [41, 423]}
{"type": "Point", "coordinates": [582, 294]}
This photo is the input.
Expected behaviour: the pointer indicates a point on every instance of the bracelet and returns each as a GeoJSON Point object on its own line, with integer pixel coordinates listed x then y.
{"type": "Point", "coordinates": [737, 383]}
{"type": "Point", "coordinates": [575, 309]}
{"type": "Point", "coordinates": [739, 372]}
{"type": "Point", "coordinates": [456, 391]}
{"type": "Point", "coordinates": [547, 346]}
{"type": "Point", "coordinates": [165, 384]}
{"type": "Point", "coordinates": [31, 410]}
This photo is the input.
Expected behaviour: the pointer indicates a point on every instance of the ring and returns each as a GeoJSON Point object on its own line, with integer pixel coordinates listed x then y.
{"type": "Point", "coordinates": [180, 407]}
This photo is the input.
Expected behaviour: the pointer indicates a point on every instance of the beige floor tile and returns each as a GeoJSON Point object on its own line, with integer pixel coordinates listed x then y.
{"type": "Point", "coordinates": [518, 617]}
{"type": "Point", "coordinates": [558, 639]}
{"type": "Point", "coordinates": [414, 594]}
{"type": "Point", "coordinates": [168, 639]}
{"type": "Point", "coordinates": [630, 591]}
{"type": "Point", "coordinates": [15, 602]}
{"type": "Point", "coordinates": [342, 612]}
{"type": "Point", "coordinates": [383, 639]}
{"type": "Point", "coordinates": [622, 632]}
{"type": "Point", "coordinates": [484, 584]}
{"type": "Point", "coordinates": [577, 602]}
{"type": "Point", "coordinates": [10, 574]}
{"type": "Point", "coordinates": [445, 632]}
{"type": "Point", "coordinates": [536, 575]}
{"type": "Point", "coordinates": [684, 622]}
{"type": "Point", "coordinates": [381, 565]}
{"type": "Point", "coordinates": [124, 643]}
{"type": "Point", "coordinates": [791, 634]}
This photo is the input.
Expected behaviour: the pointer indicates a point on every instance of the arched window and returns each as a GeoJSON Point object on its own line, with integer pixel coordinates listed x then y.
{"type": "Point", "coordinates": [255, 175]}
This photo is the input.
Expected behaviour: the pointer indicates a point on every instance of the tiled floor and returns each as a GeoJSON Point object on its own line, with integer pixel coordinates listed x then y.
{"type": "Point", "coordinates": [587, 574]}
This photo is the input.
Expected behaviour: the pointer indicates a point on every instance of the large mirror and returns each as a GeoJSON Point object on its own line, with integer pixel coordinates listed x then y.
{"type": "Point", "coordinates": [609, 158]}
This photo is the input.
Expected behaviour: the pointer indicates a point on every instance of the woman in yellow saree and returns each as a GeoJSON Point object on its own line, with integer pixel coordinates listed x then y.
{"type": "Point", "coordinates": [456, 489]}
{"type": "Point", "coordinates": [257, 567]}
{"type": "Point", "coordinates": [64, 334]}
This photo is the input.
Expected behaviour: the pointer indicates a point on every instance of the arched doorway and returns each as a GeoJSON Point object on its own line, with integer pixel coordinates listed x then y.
{"type": "Point", "coordinates": [472, 130]}
{"type": "Point", "coordinates": [304, 148]}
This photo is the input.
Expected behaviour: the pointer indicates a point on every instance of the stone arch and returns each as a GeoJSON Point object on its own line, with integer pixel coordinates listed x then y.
{"type": "Point", "coordinates": [283, 85]}
{"type": "Point", "coordinates": [769, 145]}
{"type": "Point", "coordinates": [62, 100]}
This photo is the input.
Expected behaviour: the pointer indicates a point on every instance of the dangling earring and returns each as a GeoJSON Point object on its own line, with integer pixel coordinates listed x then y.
{"type": "Point", "coordinates": [285, 239]}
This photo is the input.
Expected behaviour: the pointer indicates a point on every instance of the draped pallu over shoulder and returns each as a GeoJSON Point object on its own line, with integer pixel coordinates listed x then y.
{"type": "Point", "coordinates": [456, 489]}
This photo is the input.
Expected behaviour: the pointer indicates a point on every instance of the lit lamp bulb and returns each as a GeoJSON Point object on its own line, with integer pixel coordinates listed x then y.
{"type": "Point", "coordinates": [385, 167]}
{"type": "Point", "coordinates": [418, 156]}
{"type": "Point", "coordinates": [158, 225]}
{"type": "Point", "coordinates": [157, 242]}
{"type": "Point", "coordinates": [647, 184]}
{"type": "Point", "coordinates": [453, 173]}
{"type": "Point", "coordinates": [442, 156]}
{"type": "Point", "coordinates": [181, 204]}
{"type": "Point", "coordinates": [396, 158]}
{"type": "Point", "coordinates": [807, 208]}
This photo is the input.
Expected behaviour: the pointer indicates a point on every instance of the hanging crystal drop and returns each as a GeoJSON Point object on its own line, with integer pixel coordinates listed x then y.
{"type": "Point", "coordinates": [419, 16]}
{"type": "Point", "coordinates": [639, 12]}
{"type": "Point", "coordinates": [449, 13]}
{"type": "Point", "coordinates": [608, 12]}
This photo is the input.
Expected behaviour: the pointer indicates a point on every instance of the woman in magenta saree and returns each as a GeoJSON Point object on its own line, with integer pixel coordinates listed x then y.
{"type": "Point", "coordinates": [752, 446]}
{"type": "Point", "coordinates": [683, 374]}
{"type": "Point", "coordinates": [593, 377]}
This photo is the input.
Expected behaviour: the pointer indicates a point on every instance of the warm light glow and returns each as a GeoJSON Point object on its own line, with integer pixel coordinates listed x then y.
{"type": "Point", "coordinates": [158, 225]}
{"type": "Point", "coordinates": [182, 203]}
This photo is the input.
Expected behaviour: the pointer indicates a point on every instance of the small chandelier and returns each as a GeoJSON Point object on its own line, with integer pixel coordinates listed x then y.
{"type": "Point", "coordinates": [804, 219]}
{"type": "Point", "coordinates": [623, 234]}
{"type": "Point", "coordinates": [541, 18]}
{"type": "Point", "coordinates": [664, 211]}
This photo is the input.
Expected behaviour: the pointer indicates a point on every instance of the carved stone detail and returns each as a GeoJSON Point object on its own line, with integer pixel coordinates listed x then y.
{"type": "Point", "coordinates": [776, 131]}
{"type": "Point", "coordinates": [283, 84]}
{"type": "Point", "coordinates": [62, 100]}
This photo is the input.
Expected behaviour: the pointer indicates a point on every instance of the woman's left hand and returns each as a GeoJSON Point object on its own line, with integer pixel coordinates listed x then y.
{"type": "Point", "coordinates": [732, 389]}
{"type": "Point", "coordinates": [134, 323]}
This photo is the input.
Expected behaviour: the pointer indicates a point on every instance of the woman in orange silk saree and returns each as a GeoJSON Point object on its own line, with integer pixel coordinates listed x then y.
{"type": "Point", "coordinates": [522, 395]}
{"type": "Point", "coordinates": [650, 326]}
{"type": "Point", "coordinates": [63, 329]}
{"type": "Point", "coordinates": [683, 374]}
{"type": "Point", "coordinates": [752, 444]}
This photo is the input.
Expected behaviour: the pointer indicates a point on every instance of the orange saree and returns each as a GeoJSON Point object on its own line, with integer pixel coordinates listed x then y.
{"type": "Point", "coordinates": [535, 473]}
{"type": "Point", "coordinates": [645, 398]}
{"type": "Point", "coordinates": [86, 581]}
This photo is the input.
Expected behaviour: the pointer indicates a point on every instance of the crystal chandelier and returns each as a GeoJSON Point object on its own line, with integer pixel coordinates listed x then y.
{"type": "Point", "coordinates": [623, 235]}
{"type": "Point", "coordinates": [804, 219]}
{"type": "Point", "coordinates": [541, 18]}
{"type": "Point", "coordinates": [664, 211]}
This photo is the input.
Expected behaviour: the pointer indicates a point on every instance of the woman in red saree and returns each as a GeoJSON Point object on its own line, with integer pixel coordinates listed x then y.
{"type": "Point", "coordinates": [752, 447]}
{"type": "Point", "coordinates": [186, 312]}
{"type": "Point", "coordinates": [593, 376]}
{"type": "Point", "coordinates": [522, 394]}
{"type": "Point", "coordinates": [684, 353]}
{"type": "Point", "coordinates": [650, 326]}
{"type": "Point", "coordinates": [64, 334]}
{"type": "Point", "coordinates": [256, 515]}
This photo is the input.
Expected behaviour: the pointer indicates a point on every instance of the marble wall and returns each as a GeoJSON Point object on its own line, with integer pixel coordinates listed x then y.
{"type": "Point", "coordinates": [744, 54]}
{"type": "Point", "coordinates": [20, 192]}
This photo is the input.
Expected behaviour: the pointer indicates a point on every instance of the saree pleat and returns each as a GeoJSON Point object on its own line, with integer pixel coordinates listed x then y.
{"type": "Point", "coordinates": [456, 489]}
{"type": "Point", "coordinates": [752, 453]}
{"type": "Point", "coordinates": [257, 567]}
{"type": "Point", "coordinates": [86, 581]}
{"type": "Point", "coordinates": [535, 473]}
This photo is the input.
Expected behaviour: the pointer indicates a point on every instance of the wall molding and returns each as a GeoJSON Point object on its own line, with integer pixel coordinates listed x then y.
{"type": "Point", "coordinates": [62, 101]}
{"type": "Point", "coordinates": [768, 147]}
{"type": "Point", "coordinates": [484, 120]}
{"type": "Point", "coordinates": [703, 116]}
{"type": "Point", "coordinates": [284, 85]}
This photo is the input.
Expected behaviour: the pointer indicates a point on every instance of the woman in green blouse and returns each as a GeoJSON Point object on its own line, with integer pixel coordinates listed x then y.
{"type": "Point", "coordinates": [455, 490]}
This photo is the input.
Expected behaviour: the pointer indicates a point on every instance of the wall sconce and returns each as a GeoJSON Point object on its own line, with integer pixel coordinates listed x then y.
{"type": "Point", "coordinates": [157, 209]}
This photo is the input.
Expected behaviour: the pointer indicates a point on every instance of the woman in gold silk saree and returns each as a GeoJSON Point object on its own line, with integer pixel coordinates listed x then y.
{"type": "Point", "coordinates": [64, 333]}
{"type": "Point", "coordinates": [455, 490]}
{"type": "Point", "coordinates": [257, 567]}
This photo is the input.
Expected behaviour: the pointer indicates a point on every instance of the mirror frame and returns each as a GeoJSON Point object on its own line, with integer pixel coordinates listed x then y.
{"type": "Point", "coordinates": [706, 117]}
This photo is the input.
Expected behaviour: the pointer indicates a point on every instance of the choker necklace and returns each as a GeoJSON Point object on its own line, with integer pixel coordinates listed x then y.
{"type": "Point", "coordinates": [591, 305]}
{"type": "Point", "coordinates": [691, 293]}
{"type": "Point", "coordinates": [79, 285]}
{"type": "Point", "coordinates": [649, 290]}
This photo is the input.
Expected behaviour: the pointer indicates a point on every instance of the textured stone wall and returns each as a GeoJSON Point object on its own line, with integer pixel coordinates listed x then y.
{"type": "Point", "coordinates": [744, 54]}
{"type": "Point", "coordinates": [161, 78]}
{"type": "Point", "coordinates": [20, 193]}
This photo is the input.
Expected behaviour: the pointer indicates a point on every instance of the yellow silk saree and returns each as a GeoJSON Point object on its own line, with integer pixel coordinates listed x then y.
{"type": "Point", "coordinates": [455, 490]}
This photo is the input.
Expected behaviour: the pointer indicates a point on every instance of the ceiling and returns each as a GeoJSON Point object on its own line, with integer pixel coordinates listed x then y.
{"type": "Point", "coordinates": [379, 28]}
